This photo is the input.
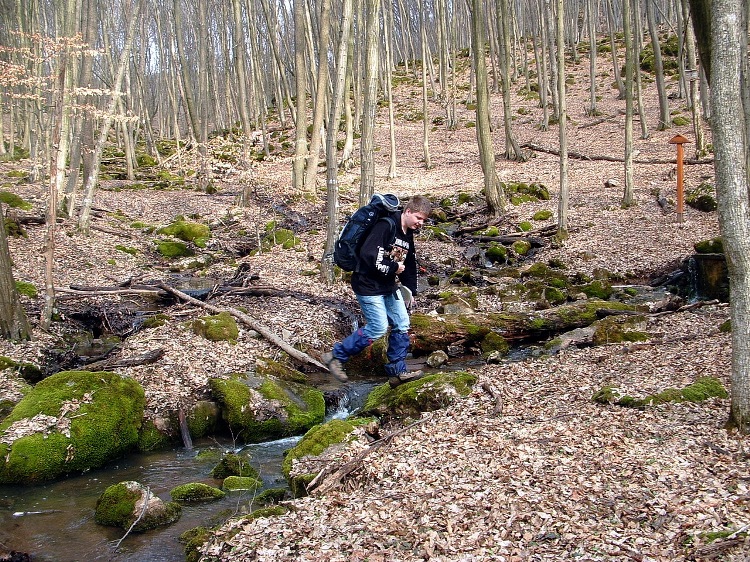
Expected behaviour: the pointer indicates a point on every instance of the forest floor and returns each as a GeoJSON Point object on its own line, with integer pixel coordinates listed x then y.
{"type": "Point", "coordinates": [551, 476]}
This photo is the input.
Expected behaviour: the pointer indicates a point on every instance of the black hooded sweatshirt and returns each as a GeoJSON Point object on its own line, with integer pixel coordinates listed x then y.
{"type": "Point", "coordinates": [376, 273]}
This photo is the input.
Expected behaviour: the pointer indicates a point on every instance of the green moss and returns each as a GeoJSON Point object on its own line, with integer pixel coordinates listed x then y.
{"type": "Point", "coordinates": [493, 341]}
{"type": "Point", "coordinates": [12, 200]}
{"type": "Point", "coordinates": [280, 237]}
{"type": "Point", "coordinates": [271, 496]}
{"type": "Point", "coordinates": [554, 296]}
{"type": "Point", "coordinates": [521, 247]}
{"type": "Point", "coordinates": [726, 327]}
{"type": "Point", "coordinates": [702, 198]}
{"type": "Point", "coordinates": [702, 389]}
{"type": "Point", "coordinates": [432, 392]}
{"type": "Point", "coordinates": [492, 231]}
{"type": "Point", "coordinates": [152, 438]}
{"type": "Point", "coordinates": [126, 249]}
{"type": "Point", "coordinates": [220, 327]}
{"type": "Point", "coordinates": [268, 367]}
{"type": "Point", "coordinates": [26, 289]}
{"type": "Point", "coordinates": [617, 329]}
{"type": "Point", "coordinates": [233, 464]}
{"type": "Point", "coordinates": [597, 289]}
{"type": "Point", "coordinates": [188, 231]}
{"type": "Point", "coordinates": [104, 426]}
{"type": "Point", "coordinates": [155, 321]}
{"type": "Point", "coordinates": [203, 419]}
{"type": "Point", "coordinates": [680, 121]}
{"type": "Point", "coordinates": [496, 253]}
{"type": "Point", "coordinates": [525, 226]}
{"type": "Point", "coordinates": [291, 408]}
{"type": "Point", "coordinates": [712, 246]}
{"type": "Point", "coordinates": [117, 507]}
{"type": "Point", "coordinates": [241, 483]}
{"type": "Point", "coordinates": [317, 440]}
{"type": "Point", "coordinates": [173, 250]}
{"type": "Point", "coordinates": [195, 492]}
{"type": "Point", "coordinates": [193, 539]}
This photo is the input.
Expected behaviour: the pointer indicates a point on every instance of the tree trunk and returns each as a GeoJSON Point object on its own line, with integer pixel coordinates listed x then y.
{"type": "Point", "coordinates": [628, 199]}
{"type": "Point", "coordinates": [320, 96]}
{"type": "Point", "coordinates": [425, 107]}
{"type": "Point", "coordinates": [593, 14]}
{"type": "Point", "coordinates": [367, 142]}
{"type": "Point", "coordinates": [562, 207]}
{"type": "Point", "coordinates": [730, 147]}
{"type": "Point", "coordinates": [494, 192]}
{"type": "Point", "coordinates": [13, 322]}
{"type": "Point", "coordinates": [332, 186]}
{"type": "Point", "coordinates": [300, 77]}
{"type": "Point", "coordinates": [665, 120]}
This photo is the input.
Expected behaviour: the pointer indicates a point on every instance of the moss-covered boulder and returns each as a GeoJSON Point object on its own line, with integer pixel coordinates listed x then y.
{"type": "Point", "coordinates": [710, 246]}
{"type": "Point", "coordinates": [234, 464]}
{"type": "Point", "coordinates": [261, 408]}
{"type": "Point", "coordinates": [195, 492]}
{"type": "Point", "coordinates": [319, 439]}
{"type": "Point", "coordinates": [122, 504]}
{"type": "Point", "coordinates": [618, 329]}
{"type": "Point", "coordinates": [203, 419]}
{"type": "Point", "coordinates": [70, 422]}
{"type": "Point", "coordinates": [219, 327]}
{"type": "Point", "coordinates": [194, 232]}
{"type": "Point", "coordinates": [409, 400]}
{"type": "Point", "coordinates": [241, 483]}
{"type": "Point", "coordinates": [29, 372]}
{"type": "Point", "coordinates": [193, 540]}
{"type": "Point", "coordinates": [702, 389]}
{"type": "Point", "coordinates": [170, 249]}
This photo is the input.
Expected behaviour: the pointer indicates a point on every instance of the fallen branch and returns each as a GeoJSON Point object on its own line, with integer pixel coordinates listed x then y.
{"type": "Point", "coordinates": [324, 483]}
{"type": "Point", "coordinates": [264, 331]}
{"type": "Point", "coordinates": [140, 516]}
{"type": "Point", "coordinates": [489, 389]}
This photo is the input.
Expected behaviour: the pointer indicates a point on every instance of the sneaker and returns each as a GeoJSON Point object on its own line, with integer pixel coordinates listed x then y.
{"type": "Point", "coordinates": [335, 367]}
{"type": "Point", "coordinates": [401, 378]}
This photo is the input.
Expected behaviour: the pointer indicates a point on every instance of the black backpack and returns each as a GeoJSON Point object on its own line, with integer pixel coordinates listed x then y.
{"type": "Point", "coordinates": [346, 250]}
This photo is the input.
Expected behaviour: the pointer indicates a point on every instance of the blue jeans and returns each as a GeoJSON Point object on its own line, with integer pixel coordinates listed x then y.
{"type": "Point", "coordinates": [380, 312]}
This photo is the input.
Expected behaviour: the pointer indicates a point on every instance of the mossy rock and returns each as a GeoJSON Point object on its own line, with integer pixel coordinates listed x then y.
{"type": "Point", "coordinates": [219, 327]}
{"type": "Point", "coordinates": [272, 496]}
{"type": "Point", "coordinates": [153, 438]}
{"type": "Point", "coordinates": [702, 198]}
{"type": "Point", "coordinates": [494, 342]}
{"type": "Point", "coordinates": [121, 505]}
{"type": "Point", "coordinates": [496, 253]}
{"type": "Point", "coordinates": [173, 250]}
{"type": "Point", "coordinates": [597, 289]}
{"type": "Point", "coordinates": [194, 539]}
{"type": "Point", "coordinates": [12, 200]}
{"type": "Point", "coordinates": [155, 321]}
{"type": "Point", "coordinates": [194, 232]}
{"type": "Point", "coordinates": [370, 361]}
{"type": "Point", "coordinates": [241, 483]}
{"type": "Point", "coordinates": [272, 511]}
{"type": "Point", "coordinates": [521, 247]}
{"type": "Point", "coordinates": [712, 246]}
{"type": "Point", "coordinates": [265, 367]}
{"type": "Point", "coordinates": [409, 400]}
{"type": "Point", "coordinates": [126, 249]}
{"type": "Point", "coordinates": [680, 121]}
{"type": "Point", "coordinates": [542, 215]}
{"type": "Point", "coordinates": [313, 444]}
{"type": "Point", "coordinates": [203, 419]}
{"type": "Point", "coordinates": [29, 372]}
{"type": "Point", "coordinates": [618, 329]}
{"type": "Point", "coordinates": [525, 226]}
{"type": "Point", "coordinates": [84, 420]}
{"type": "Point", "coordinates": [534, 191]}
{"type": "Point", "coordinates": [234, 464]}
{"type": "Point", "coordinates": [195, 492]}
{"type": "Point", "coordinates": [280, 237]}
{"type": "Point", "coordinates": [701, 390]}
{"type": "Point", "coordinates": [257, 409]}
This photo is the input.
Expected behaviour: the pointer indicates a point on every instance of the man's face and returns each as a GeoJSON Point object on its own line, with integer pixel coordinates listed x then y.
{"type": "Point", "coordinates": [413, 220]}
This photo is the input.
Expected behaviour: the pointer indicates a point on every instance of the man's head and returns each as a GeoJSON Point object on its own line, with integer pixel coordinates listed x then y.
{"type": "Point", "coordinates": [417, 211]}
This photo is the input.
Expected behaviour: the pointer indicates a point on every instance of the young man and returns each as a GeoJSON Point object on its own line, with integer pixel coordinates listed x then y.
{"type": "Point", "coordinates": [374, 283]}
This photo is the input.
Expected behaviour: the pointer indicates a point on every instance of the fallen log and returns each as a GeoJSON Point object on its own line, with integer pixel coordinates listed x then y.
{"type": "Point", "coordinates": [115, 362]}
{"type": "Point", "coordinates": [432, 333]}
{"type": "Point", "coordinates": [579, 156]}
{"type": "Point", "coordinates": [263, 330]}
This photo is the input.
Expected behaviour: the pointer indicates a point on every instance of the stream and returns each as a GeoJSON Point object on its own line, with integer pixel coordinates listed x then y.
{"type": "Point", "coordinates": [54, 522]}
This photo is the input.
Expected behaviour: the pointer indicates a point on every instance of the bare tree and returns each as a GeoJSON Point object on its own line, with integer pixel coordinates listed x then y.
{"type": "Point", "coordinates": [494, 191]}
{"type": "Point", "coordinates": [562, 207]}
{"type": "Point", "coordinates": [367, 142]}
{"type": "Point", "coordinates": [300, 77]}
{"type": "Point", "coordinates": [13, 322]}
{"type": "Point", "coordinates": [628, 200]}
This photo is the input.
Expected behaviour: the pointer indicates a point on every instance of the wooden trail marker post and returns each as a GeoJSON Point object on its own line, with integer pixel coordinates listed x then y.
{"type": "Point", "coordinates": [679, 140]}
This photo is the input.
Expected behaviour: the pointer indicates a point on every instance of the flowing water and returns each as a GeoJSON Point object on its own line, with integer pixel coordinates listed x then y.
{"type": "Point", "coordinates": [55, 522]}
